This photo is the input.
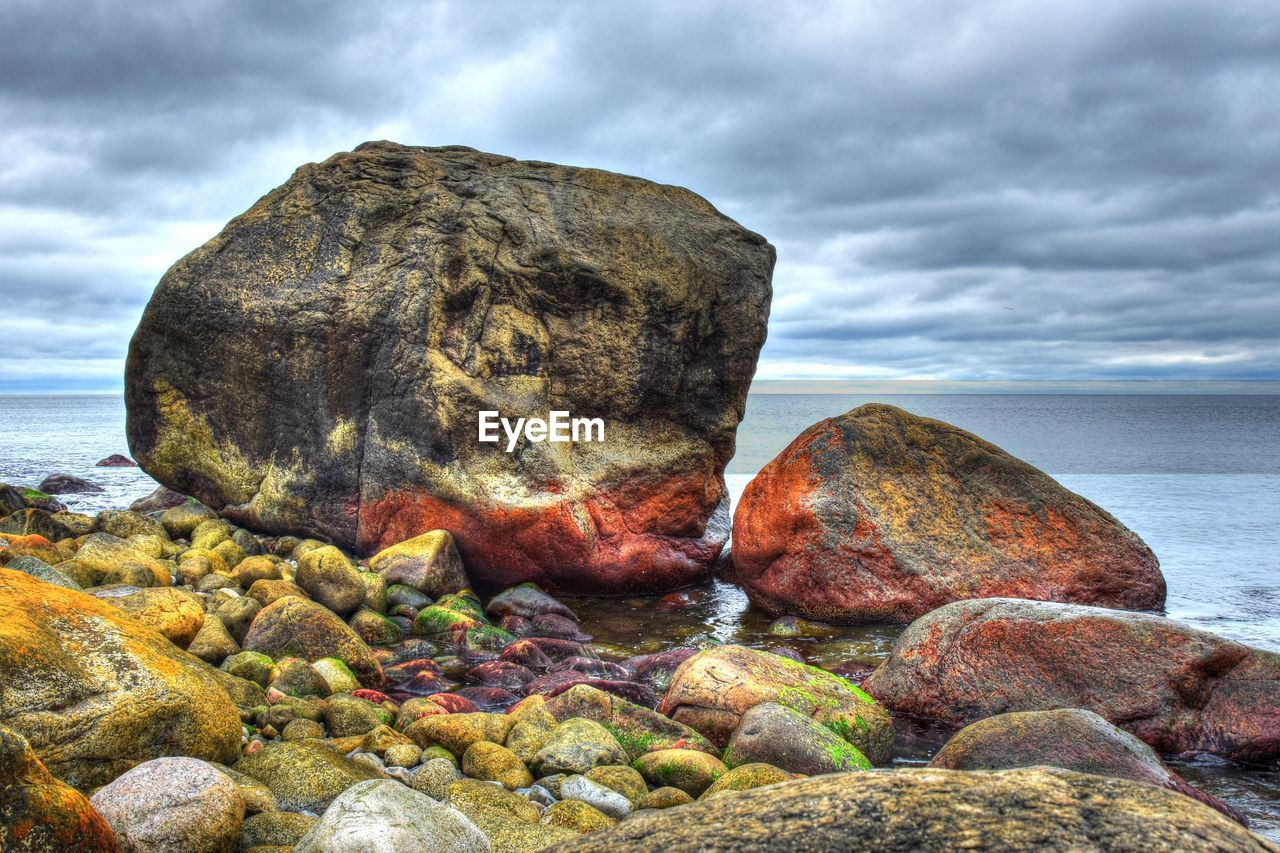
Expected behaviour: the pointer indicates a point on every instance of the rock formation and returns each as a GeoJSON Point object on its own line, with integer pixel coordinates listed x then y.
{"type": "Point", "coordinates": [880, 515]}
{"type": "Point", "coordinates": [1179, 689]}
{"type": "Point", "coordinates": [319, 366]}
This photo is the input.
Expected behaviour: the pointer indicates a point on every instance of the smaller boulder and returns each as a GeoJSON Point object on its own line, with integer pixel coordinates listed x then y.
{"type": "Point", "coordinates": [39, 813]}
{"type": "Point", "coordinates": [690, 771]}
{"type": "Point", "coordinates": [383, 816]}
{"type": "Point", "coordinates": [67, 484]}
{"type": "Point", "coordinates": [173, 804]}
{"type": "Point", "coordinates": [491, 762]}
{"type": "Point", "coordinates": [577, 745]}
{"type": "Point", "coordinates": [775, 734]}
{"type": "Point", "coordinates": [304, 775]}
{"type": "Point", "coordinates": [429, 563]}
{"type": "Point", "coordinates": [116, 460]}
{"type": "Point", "coordinates": [331, 579]}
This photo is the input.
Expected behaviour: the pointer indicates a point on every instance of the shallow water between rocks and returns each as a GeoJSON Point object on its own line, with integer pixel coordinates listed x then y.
{"type": "Point", "coordinates": [718, 612]}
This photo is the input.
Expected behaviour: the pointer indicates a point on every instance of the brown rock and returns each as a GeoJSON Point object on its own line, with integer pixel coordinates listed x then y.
{"type": "Point", "coordinates": [882, 515]}
{"type": "Point", "coordinates": [175, 613]}
{"type": "Point", "coordinates": [37, 812]}
{"type": "Point", "coordinates": [296, 627]}
{"type": "Point", "coordinates": [1178, 689]}
{"type": "Point", "coordinates": [377, 301]}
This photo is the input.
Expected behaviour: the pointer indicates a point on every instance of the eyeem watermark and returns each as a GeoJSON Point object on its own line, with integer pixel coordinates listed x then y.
{"type": "Point", "coordinates": [558, 426]}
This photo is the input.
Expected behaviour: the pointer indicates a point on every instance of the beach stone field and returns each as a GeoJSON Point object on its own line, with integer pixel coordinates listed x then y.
{"type": "Point", "coordinates": [345, 624]}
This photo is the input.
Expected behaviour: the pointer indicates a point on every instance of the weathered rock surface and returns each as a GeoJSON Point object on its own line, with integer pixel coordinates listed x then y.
{"type": "Point", "coordinates": [297, 627]}
{"type": "Point", "coordinates": [636, 728]}
{"type": "Point", "coordinates": [176, 614]}
{"type": "Point", "coordinates": [68, 484]}
{"type": "Point", "coordinates": [934, 810]}
{"type": "Point", "coordinates": [1179, 689]}
{"type": "Point", "coordinates": [37, 812]}
{"type": "Point", "coordinates": [362, 314]}
{"type": "Point", "coordinates": [304, 775]}
{"type": "Point", "coordinates": [388, 817]}
{"type": "Point", "coordinates": [713, 689]}
{"type": "Point", "coordinates": [173, 804]}
{"type": "Point", "coordinates": [96, 692]}
{"type": "Point", "coordinates": [777, 735]}
{"type": "Point", "coordinates": [1072, 739]}
{"type": "Point", "coordinates": [882, 515]}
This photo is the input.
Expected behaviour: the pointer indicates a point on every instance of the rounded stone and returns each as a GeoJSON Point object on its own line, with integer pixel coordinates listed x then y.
{"type": "Point", "coordinates": [173, 803]}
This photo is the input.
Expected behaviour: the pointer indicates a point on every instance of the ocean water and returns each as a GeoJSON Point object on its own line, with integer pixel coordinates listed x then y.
{"type": "Point", "coordinates": [1197, 477]}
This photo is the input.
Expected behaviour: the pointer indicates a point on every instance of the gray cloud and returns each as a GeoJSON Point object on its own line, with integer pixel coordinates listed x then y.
{"type": "Point", "coordinates": [956, 189]}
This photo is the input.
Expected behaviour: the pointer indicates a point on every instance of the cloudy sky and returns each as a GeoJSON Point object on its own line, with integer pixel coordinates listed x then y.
{"type": "Point", "coordinates": [959, 190]}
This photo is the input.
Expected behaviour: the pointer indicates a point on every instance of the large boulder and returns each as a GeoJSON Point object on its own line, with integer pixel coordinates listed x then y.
{"type": "Point", "coordinates": [360, 317]}
{"type": "Point", "coordinates": [712, 690]}
{"type": "Point", "coordinates": [38, 813]}
{"type": "Point", "coordinates": [96, 692]}
{"type": "Point", "coordinates": [934, 810]}
{"type": "Point", "coordinates": [1073, 739]}
{"type": "Point", "coordinates": [173, 804]}
{"type": "Point", "coordinates": [1179, 689]}
{"type": "Point", "coordinates": [880, 515]}
{"type": "Point", "coordinates": [297, 627]}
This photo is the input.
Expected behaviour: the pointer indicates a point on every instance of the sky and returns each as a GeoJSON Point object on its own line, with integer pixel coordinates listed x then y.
{"type": "Point", "coordinates": [996, 190]}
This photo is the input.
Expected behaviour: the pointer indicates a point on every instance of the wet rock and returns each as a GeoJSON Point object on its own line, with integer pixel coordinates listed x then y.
{"type": "Point", "coordinates": [558, 627]}
{"type": "Point", "coordinates": [713, 689]}
{"type": "Point", "coordinates": [306, 629]}
{"type": "Point", "coordinates": [304, 775]}
{"type": "Point", "coordinates": [527, 654]}
{"type": "Point", "coordinates": [386, 817]}
{"type": "Point", "coordinates": [926, 809]}
{"type": "Point", "coordinates": [882, 515]}
{"type": "Point", "coordinates": [69, 663]}
{"type": "Point", "coordinates": [1176, 688]}
{"type": "Point", "coordinates": [452, 703]}
{"type": "Point", "coordinates": [637, 729]}
{"type": "Point", "coordinates": [491, 762]}
{"type": "Point", "coordinates": [527, 600]}
{"type": "Point", "coordinates": [170, 804]}
{"type": "Point", "coordinates": [503, 674]}
{"type": "Point", "coordinates": [428, 563]}
{"type": "Point", "coordinates": [176, 614]}
{"type": "Point", "coordinates": [775, 734]}
{"type": "Point", "coordinates": [39, 813]}
{"type": "Point", "coordinates": [116, 460]}
{"type": "Point", "coordinates": [656, 669]}
{"type": "Point", "coordinates": [67, 484]}
{"type": "Point", "coordinates": [1071, 739]}
{"type": "Point", "coordinates": [158, 501]}
{"type": "Point", "coordinates": [689, 770]}
{"type": "Point", "coordinates": [577, 745]}
{"type": "Point", "coordinates": [488, 698]}
{"type": "Point", "coordinates": [555, 683]}
{"type": "Point", "coordinates": [679, 292]}
{"type": "Point", "coordinates": [331, 579]}
{"type": "Point", "coordinates": [744, 777]}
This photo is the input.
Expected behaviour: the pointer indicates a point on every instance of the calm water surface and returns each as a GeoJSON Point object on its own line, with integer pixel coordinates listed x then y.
{"type": "Point", "coordinates": [1197, 477]}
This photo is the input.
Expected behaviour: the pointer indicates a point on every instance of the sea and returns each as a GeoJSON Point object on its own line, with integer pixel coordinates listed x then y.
{"type": "Point", "coordinates": [1197, 476]}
